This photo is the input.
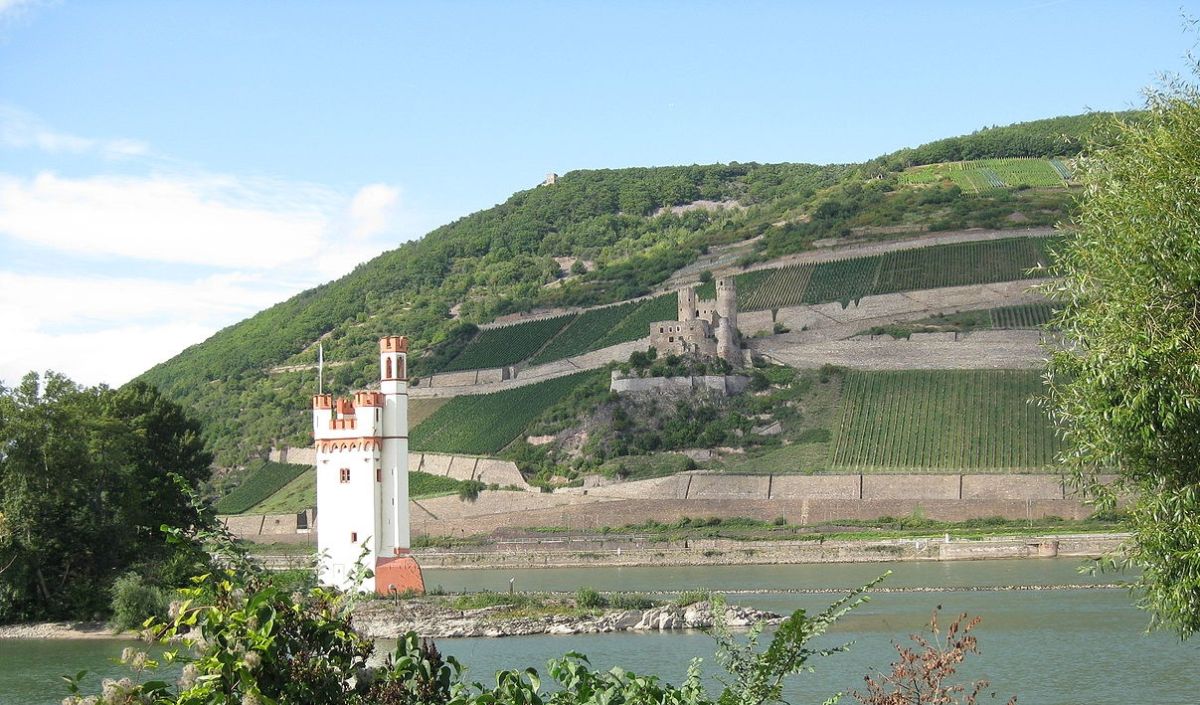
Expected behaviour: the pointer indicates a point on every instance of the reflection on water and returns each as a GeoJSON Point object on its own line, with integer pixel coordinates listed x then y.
{"type": "Point", "coordinates": [1054, 647]}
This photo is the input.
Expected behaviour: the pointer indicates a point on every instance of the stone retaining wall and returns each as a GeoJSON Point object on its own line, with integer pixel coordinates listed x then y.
{"type": "Point", "coordinates": [559, 553]}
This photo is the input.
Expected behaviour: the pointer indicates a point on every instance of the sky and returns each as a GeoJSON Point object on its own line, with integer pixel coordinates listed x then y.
{"type": "Point", "coordinates": [170, 168]}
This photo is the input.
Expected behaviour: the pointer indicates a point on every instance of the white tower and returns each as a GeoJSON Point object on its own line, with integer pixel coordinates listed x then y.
{"type": "Point", "coordinates": [362, 481]}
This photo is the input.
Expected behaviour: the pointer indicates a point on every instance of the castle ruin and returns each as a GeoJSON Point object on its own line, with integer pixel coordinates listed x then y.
{"type": "Point", "coordinates": [706, 328]}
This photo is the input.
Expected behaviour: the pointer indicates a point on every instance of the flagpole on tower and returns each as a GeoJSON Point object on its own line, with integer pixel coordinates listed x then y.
{"type": "Point", "coordinates": [320, 368]}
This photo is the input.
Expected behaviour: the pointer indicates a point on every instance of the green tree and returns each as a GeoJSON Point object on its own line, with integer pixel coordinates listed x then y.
{"type": "Point", "coordinates": [1125, 381]}
{"type": "Point", "coordinates": [84, 486]}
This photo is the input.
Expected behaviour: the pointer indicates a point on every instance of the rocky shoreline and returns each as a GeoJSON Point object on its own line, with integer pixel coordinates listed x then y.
{"type": "Point", "coordinates": [386, 620]}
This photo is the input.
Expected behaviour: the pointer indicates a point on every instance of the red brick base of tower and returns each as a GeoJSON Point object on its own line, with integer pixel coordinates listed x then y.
{"type": "Point", "coordinates": [398, 574]}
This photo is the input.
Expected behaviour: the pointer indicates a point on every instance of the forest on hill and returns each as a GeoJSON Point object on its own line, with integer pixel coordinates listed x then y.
{"type": "Point", "coordinates": [622, 222]}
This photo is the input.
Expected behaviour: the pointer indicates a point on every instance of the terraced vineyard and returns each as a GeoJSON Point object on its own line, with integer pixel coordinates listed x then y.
{"type": "Point", "coordinates": [582, 333]}
{"type": "Point", "coordinates": [497, 347]}
{"type": "Point", "coordinates": [1021, 316]}
{"type": "Point", "coordinates": [987, 174]}
{"type": "Point", "coordinates": [485, 423]}
{"type": "Point", "coordinates": [637, 323]}
{"type": "Point", "coordinates": [957, 264]}
{"type": "Point", "coordinates": [775, 288]}
{"type": "Point", "coordinates": [945, 420]}
{"type": "Point", "coordinates": [844, 281]}
{"type": "Point", "coordinates": [263, 480]}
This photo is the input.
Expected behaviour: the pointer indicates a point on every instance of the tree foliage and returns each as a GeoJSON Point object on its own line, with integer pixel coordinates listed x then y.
{"type": "Point", "coordinates": [1125, 385]}
{"type": "Point", "coordinates": [85, 482]}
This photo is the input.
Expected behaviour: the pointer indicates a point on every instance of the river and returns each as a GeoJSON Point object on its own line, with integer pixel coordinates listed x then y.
{"type": "Point", "coordinates": [1049, 647]}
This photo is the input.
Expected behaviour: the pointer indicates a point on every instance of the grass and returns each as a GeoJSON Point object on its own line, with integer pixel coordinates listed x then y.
{"type": "Point", "coordinates": [749, 529]}
{"type": "Point", "coordinates": [263, 480]}
{"type": "Point", "coordinates": [946, 420]}
{"type": "Point", "coordinates": [644, 467]}
{"type": "Point", "coordinates": [485, 423]}
{"type": "Point", "coordinates": [422, 485]}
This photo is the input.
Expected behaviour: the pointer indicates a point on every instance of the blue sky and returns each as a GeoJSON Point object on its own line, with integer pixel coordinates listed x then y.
{"type": "Point", "coordinates": [167, 169]}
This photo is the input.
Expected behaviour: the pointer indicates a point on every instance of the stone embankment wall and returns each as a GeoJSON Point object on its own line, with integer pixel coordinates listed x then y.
{"type": "Point", "coordinates": [552, 553]}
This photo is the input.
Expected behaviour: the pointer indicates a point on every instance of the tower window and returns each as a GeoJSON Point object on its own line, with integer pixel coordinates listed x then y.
{"type": "Point", "coordinates": [353, 537]}
{"type": "Point", "coordinates": [379, 474]}
{"type": "Point", "coordinates": [345, 475]}
{"type": "Point", "coordinates": [387, 374]}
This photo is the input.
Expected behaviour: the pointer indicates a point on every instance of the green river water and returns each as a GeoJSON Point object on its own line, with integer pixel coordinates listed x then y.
{"type": "Point", "coordinates": [1049, 647]}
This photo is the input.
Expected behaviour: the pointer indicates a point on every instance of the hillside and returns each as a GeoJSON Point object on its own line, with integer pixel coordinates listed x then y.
{"type": "Point", "coordinates": [250, 382]}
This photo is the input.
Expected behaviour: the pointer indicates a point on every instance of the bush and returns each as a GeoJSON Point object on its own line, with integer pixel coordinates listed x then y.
{"type": "Point", "coordinates": [589, 599]}
{"type": "Point", "coordinates": [622, 601]}
{"type": "Point", "coordinates": [469, 490]}
{"type": "Point", "coordinates": [134, 601]}
{"type": "Point", "coordinates": [691, 597]}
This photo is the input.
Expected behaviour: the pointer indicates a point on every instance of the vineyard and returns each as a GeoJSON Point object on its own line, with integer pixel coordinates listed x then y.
{"type": "Point", "coordinates": [498, 347]}
{"type": "Point", "coordinates": [1021, 316]}
{"type": "Point", "coordinates": [582, 333]}
{"type": "Point", "coordinates": [780, 287]}
{"type": "Point", "coordinates": [561, 337]}
{"type": "Point", "coordinates": [263, 480]}
{"type": "Point", "coordinates": [957, 264]}
{"type": "Point", "coordinates": [637, 324]}
{"type": "Point", "coordinates": [988, 174]}
{"type": "Point", "coordinates": [485, 423]}
{"type": "Point", "coordinates": [943, 420]}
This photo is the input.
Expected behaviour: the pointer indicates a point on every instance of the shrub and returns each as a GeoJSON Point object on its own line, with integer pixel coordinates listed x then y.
{"type": "Point", "coordinates": [691, 597]}
{"type": "Point", "coordinates": [625, 601]}
{"type": "Point", "coordinates": [589, 599]}
{"type": "Point", "coordinates": [134, 601]}
{"type": "Point", "coordinates": [469, 490]}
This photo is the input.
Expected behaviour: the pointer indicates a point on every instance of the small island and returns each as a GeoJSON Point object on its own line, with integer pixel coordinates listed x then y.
{"type": "Point", "coordinates": [522, 614]}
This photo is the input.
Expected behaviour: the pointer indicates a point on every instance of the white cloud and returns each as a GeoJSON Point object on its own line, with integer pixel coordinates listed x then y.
{"type": "Point", "coordinates": [110, 329]}
{"type": "Point", "coordinates": [371, 210]}
{"type": "Point", "coordinates": [21, 130]}
{"type": "Point", "coordinates": [210, 221]}
{"type": "Point", "coordinates": [256, 241]}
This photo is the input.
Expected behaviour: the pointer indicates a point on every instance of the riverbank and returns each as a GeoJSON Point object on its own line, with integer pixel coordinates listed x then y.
{"type": "Point", "coordinates": [62, 630]}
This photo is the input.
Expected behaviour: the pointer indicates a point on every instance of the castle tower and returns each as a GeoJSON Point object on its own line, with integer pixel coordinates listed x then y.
{"type": "Point", "coordinates": [727, 300]}
{"type": "Point", "coordinates": [729, 346]}
{"type": "Point", "coordinates": [687, 304]}
{"type": "Point", "coordinates": [362, 481]}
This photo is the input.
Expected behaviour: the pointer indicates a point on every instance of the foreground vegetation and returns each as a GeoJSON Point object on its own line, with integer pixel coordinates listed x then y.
{"type": "Point", "coordinates": [87, 477]}
{"type": "Point", "coordinates": [1123, 385]}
